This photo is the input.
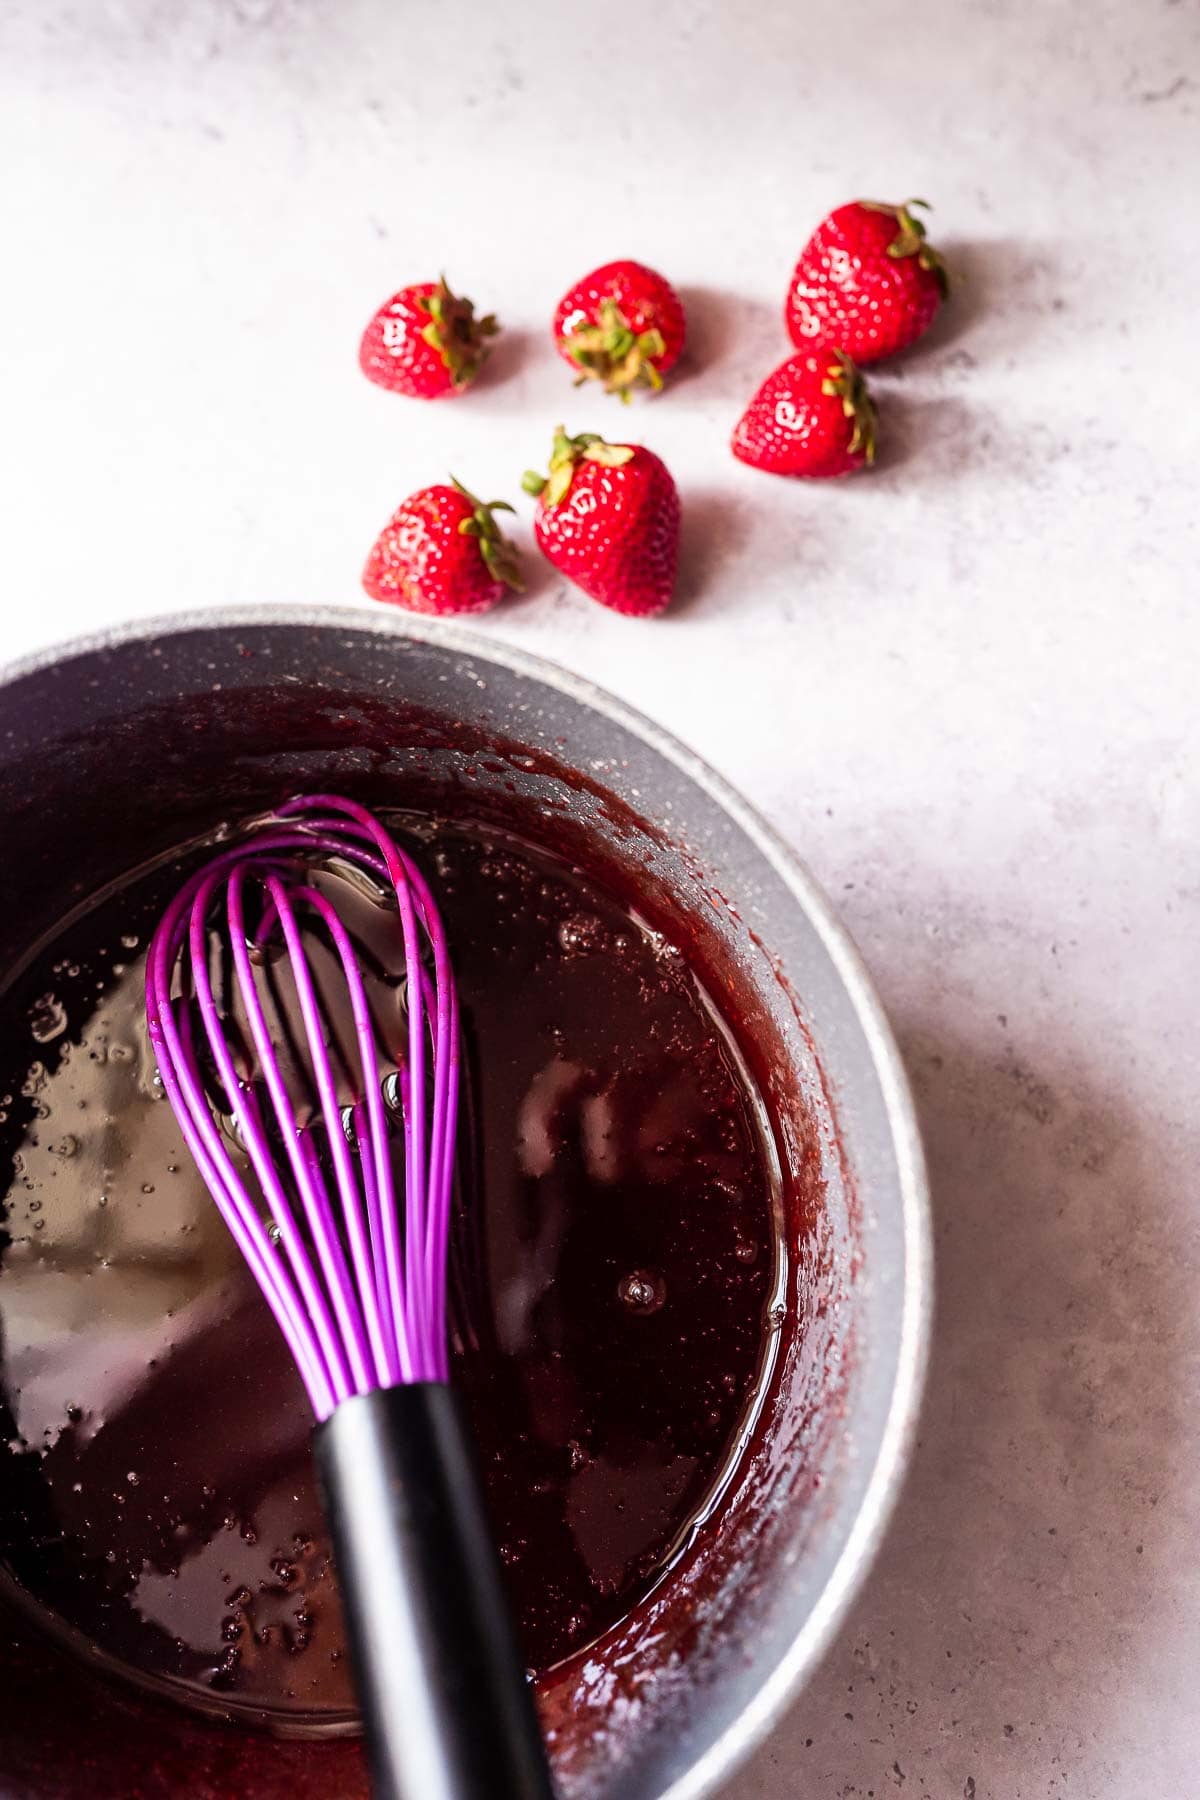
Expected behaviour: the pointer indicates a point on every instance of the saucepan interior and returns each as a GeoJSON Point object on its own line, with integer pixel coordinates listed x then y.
{"type": "Point", "coordinates": [115, 749]}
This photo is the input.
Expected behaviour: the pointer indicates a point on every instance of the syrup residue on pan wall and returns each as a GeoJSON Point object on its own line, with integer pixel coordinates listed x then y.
{"type": "Point", "coordinates": [619, 1263]}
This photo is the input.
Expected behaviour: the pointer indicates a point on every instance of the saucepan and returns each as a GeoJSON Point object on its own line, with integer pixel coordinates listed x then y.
{"type": "Point", "coordinates": [115, 747]}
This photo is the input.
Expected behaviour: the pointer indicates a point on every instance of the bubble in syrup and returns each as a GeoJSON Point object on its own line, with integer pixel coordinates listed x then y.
{"type": "Point", "coordinates": [746, 1250]}
{"type": "Point", "coordinates": [131, 1477]}
{"type": "Point", "coordinates": [274, 1231]}
{"type": "Point", "coordinates": [129, 940]}
{"type": "Point", "coordinates": [47, 1018]}
{"type": "Point", "coordinates": [265, 950]}
{"type": "Point", "coordinates": [582, 931]}
{"type": "Point", "coordinates": [65, 1146]}
{"type": "Point", "coordinates": [147, 1187]}
{"type": "Point", "coordinates": [641, 1291]}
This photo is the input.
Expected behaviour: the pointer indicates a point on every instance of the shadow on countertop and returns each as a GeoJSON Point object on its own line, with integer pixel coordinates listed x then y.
{"type": "Point", "coordinates": [1014, 1585]}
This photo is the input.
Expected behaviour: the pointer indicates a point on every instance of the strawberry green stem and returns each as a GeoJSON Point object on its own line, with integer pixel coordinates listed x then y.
{"type": "Point", "coordinates": [453, 331]}
{"type": "Point", "coordinates": [498, 553]}
{"type": "Point", "coordinates": [566, 454]}
{"type": "Point", "coordinates": [611, 352]}
{"type": "Point", "coordinates": [910, 240]}
{"type": "Point", "coordinates": [843, 381]}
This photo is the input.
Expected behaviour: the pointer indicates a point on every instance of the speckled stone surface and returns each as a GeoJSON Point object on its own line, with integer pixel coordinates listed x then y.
{"type": "Point", "coordinates": [965, 686]}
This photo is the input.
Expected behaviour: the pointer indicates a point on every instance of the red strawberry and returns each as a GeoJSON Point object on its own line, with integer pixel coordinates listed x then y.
{"type": "Point", "coordinates": [622, 325]}
{"type": "Point", "coordinates": [442, 552]}
{"type": "Point", "coordinates": [866, 281]}
{"type": "Point", "coordinates": [813, 416]}
{"type": "Point", "coordinates": [608, 517]}
{"type": "Point", "coordinates": [425, 342]}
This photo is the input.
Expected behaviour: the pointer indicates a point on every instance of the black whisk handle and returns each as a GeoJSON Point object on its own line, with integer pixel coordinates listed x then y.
{"type": "Point", "coordinates": [447, 1708]}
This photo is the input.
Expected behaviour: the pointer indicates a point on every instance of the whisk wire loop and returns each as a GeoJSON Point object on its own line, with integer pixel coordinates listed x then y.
{"type": "Point", "coordinates": [344, 1353]}
{"type": "Point", "coordinates": [371, 1132]}
{"type": "Point", "coordinates": [354, 1278]}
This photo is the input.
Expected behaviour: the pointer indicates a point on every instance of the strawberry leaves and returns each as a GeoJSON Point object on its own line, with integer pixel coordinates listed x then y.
{"type": "Point", "coordinates": [498, 553]}
{"type": "Point", "coordinates": [910, 240]}
{"type": "Point", "coordinates": [611, 352]}
{"type": "Point", "coordinates": [565, 455]}
{"type": "Point", "coordinates": [844, 382]}
{"type": "Point", "coordinates": [453, 331]}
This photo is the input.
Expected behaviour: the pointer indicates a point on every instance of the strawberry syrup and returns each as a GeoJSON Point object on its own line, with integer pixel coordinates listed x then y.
{"type": "Point", "coordinates": [617, 1255]}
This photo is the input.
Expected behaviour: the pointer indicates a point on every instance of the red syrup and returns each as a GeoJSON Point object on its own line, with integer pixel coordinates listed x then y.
{"type": "Point", "coordinates": [617, 1256]}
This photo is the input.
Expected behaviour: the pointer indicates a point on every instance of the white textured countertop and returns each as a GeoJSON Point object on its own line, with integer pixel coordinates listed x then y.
{"type": "Point", "coordinates": [965, 687]}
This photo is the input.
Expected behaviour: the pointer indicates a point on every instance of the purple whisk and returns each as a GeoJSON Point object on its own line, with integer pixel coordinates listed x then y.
{"type": "Point", "coordinates": [361, 1304]}
{"type": "Point", "coordinates": [353, 1271]}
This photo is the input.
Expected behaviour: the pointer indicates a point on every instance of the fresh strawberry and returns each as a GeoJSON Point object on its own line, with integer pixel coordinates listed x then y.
{"type": "Point", "coordinates": [813, 416]}
{"type": "Point", "coordinates": [622, 325]}
{"type": "Point", "coordinates": [866, 281]}
{"type": "Point", "coordinates": [442, 552]}
{"type": "Point", "coordinates": [608, 517]}
{"type": "Point", "coordinates": [425, 342]}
